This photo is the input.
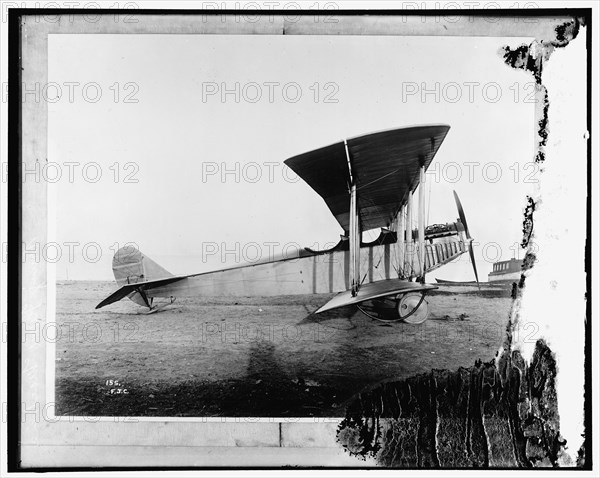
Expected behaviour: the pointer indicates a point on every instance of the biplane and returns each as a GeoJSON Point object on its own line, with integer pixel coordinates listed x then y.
{"type": "Point", "coordinates": [368, 182]}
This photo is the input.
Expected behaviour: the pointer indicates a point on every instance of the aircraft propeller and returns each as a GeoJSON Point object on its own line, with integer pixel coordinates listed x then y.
{"type": "Point", "coordinates": [463, 219]}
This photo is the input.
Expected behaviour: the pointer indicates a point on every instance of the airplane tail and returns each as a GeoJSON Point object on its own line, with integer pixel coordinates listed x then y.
{"type": "Point", "coordinates": [130, 266]}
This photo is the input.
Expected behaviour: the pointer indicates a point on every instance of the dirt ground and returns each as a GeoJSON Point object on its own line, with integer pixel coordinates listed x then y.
{"type": "Point", "coordinates": [254, 356]}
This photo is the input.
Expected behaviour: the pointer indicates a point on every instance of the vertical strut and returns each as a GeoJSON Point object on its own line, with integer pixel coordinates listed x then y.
{"type": "Point", "coordinates": [354, 232]}
{"type": "Point", "coordinates": [410, 245]}
{"type": "Point", "coordinates": [421, 249]}
{"type": "Point", "coordinates": [400, 228]}
{"type": "Point", "coordinates": [402, 242]}
{"type": "Point", "coordinates": [354, 243]}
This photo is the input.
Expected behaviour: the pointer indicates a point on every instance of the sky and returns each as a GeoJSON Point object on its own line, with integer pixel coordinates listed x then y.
{"type": "Point", "coordinates": [195, 177]}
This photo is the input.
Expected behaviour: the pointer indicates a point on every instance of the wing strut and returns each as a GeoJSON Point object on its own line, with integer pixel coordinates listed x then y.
{"type": "Point", "coordinates": [421, 225]}
{"type": "Point", "coordinates": [410, 245]}
{"type": "Point", "coordinates": [399, 226]}
{"type": "Point", "coordinates": [353, 233]}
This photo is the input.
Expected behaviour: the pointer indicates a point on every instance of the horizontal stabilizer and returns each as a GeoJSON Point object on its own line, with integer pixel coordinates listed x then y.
{"type": "Point", "coordinates": [374, 290]}
{"type": "Point", "coordinates": [127, 289]}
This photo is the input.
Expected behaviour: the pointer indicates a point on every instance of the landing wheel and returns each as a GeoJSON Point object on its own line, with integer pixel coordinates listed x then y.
{"type": "Point", "coordinates": [411, 308]}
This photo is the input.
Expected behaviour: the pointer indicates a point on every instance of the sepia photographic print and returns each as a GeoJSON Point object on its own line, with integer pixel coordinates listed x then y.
{"type": "Point", "coordinates": [313, 236]}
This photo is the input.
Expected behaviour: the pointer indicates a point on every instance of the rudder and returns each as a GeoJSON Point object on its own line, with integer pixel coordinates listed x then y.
{"type": "Point", "coordinates": [130, 266]}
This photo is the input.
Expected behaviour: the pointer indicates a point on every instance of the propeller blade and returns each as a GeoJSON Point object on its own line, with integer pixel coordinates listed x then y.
{"type": "Point", "coordinates": [463, 219]}
{"type": "Point", "coordinates": [461, 214]}
{"type": "Point", "coordinates": [472, 254]}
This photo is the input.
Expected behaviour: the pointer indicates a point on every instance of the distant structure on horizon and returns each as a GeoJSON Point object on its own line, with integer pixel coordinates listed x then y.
{"type": "Point", "coordinates": [506, 271]}
{"type": "Point", "coordinates": [503, 272]}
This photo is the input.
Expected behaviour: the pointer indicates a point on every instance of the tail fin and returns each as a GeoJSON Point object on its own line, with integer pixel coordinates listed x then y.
{"type": "Point", "coordinates": [130, 266]}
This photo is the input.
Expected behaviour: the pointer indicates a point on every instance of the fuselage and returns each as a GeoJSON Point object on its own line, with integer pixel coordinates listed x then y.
{"type": "Point", "coordinates": [319, 272]}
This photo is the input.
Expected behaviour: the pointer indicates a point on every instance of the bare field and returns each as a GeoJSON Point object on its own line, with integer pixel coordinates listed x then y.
{"type": "Point", "coordinates": [225, 356]}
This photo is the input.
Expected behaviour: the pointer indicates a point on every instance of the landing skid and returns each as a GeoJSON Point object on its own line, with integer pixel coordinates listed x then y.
{"type": "Point", "coordinates": [159, 307]}
{"type": "Point", "coordinates": [410, 307]}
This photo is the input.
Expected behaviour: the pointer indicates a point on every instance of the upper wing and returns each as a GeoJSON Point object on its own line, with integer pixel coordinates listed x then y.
{"type": "Point", "coordinates": [384, 165]}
